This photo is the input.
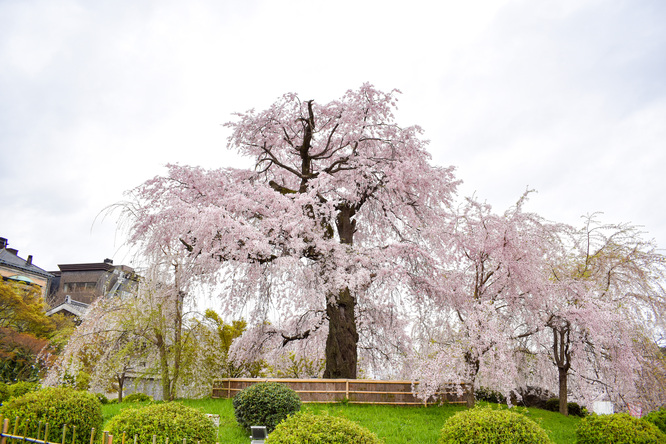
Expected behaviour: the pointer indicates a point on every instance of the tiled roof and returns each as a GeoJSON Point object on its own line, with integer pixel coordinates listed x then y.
{"type": "Point", "coordinates": [70, 305]}
{"type": "Point", "coordinates": [11, 260]}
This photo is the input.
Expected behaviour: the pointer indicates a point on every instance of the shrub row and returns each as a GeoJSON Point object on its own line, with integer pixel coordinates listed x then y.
{"type": "Point", "coordinates": [276, 406]}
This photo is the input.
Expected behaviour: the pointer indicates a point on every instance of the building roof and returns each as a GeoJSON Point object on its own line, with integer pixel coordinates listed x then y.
{"type": "Point", "coordinates": [107, 265]}
{"type": "Point", "coordinates": [71, 306]}
{"type": "Point", "coordinates": [10, 259]}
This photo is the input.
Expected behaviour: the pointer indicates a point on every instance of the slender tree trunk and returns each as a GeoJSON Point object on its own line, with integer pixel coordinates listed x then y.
{"type": "Point", "coordinates": [562, 357]}
{"type": "Point", "coordinates": [564, 407]}
{"type": "Point", "coordinates": [167, 394]}
{"type": "Point", "coordinates": [121, 382]}
{"type": "Point", "coordinates": [342, 340]}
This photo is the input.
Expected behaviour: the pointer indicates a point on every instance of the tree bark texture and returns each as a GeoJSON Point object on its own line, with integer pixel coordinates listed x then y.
{"type": "Point", "coordinates": [562, 357]}
{"type": "Point", "coordinates": [342, 340]}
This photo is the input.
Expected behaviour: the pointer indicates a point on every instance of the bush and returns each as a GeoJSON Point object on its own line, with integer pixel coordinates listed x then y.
{"type": "Point", "coordinates": [265, 404]}
{"type": "Point", "coordinates": [491, 426]}
{"type": "Point", "coordinates": [658, 418]}
{"type": "Point", "coordinates": [137, 397]}
{"type": "Point", "coordinates": [553, 404]}
{"type": "Point", "coordinates": [102, 398]}
{"type": "Point", "coordinates": [534, 397]}
{"type": "Point", "coordinates": [576, 410]}
{"type": "Point", "coordinates": [57, 406]}
{"type": "Point", "coordinates": [489, 395]}
{"type": "Point", "coordinates": [320, 429]}
{"type": "Point", "coordinates": [5, 392]}
{"type": "Point", "coordinates": [619, 427]}
{"type": "Point", "coordinates": [23, 387]}
{"type": "Point", "coordinates": [165, 420]}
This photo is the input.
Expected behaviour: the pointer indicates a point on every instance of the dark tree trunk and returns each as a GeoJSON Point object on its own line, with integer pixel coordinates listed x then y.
{"type": "Point", "coordinates": [341, 343]}
{"type": "Point", "coordinates": [564, 407]}
{"type": "Point", "coordinates": [470, 399]}
{"type": "Point", "coordinates": [342, 340]}
{"type": "Point", "coordinates": [562, 357]}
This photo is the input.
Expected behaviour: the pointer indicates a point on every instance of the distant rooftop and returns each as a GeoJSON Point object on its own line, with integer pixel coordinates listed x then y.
{"type": "Point", "coordinates": [9, 258]}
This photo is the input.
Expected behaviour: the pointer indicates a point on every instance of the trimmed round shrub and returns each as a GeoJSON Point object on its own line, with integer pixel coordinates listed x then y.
{"type": "Point", "coordinates": [265, 404]}
{"type": "Point", "coordinates": [102, 398]}
{"type": "Point", "coordinates": [320, 429]}
{"type": "Point", "coordinates": [492, 426]}
{"type": "Point", "coordinates": [171, 420]}
{"type": "Point", "coordinates": [658, 418]}
{"type": "Point", "coordinates": [57, 406]}
{"type": "Point", "coordinates": [137, 397]}
{"type": "Point", "coordinates": [616, 428]}
{"type": "Point", "coordinates": [23, 387]}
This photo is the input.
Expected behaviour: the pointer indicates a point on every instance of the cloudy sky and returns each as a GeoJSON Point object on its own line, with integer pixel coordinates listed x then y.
{"type": "Point", "coordinates": [565, 96]}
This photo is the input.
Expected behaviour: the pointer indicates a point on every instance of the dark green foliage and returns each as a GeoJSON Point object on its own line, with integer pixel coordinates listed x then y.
{"type": "Point", "coordinates": [489, 395]}
{"type": "Point", "coordinates": [618, 428]}
{"type": "Point", "coordinates": [320, 429]}
{"type": "Point", "coordinates": [5, 392]}
{"type": "Point", "coordinates": [137, 397]}
{"type": "Point", "coordinates": [165, 420]}
{"type": "Point", "coordinates": [102, 398]}
{"type": "Point", "coordinates": [658, 418]}
{"type": "Point", "coordinates": [534, 397]}
{"type": "Point", "coordinates": [57, 406]}
{"type": "Point", "coordinates": [265, 404]}
{"type": "Point", "coordinates": [484, 425]}
{"type": "Point", "coordinates": [574, 409]}
{"type": "Point", "coordinates": [23, 387]}
{"type": "Point", "coordinates": [553, 405]}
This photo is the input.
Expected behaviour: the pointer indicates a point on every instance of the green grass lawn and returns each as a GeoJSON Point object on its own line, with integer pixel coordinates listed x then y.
{"type": "Point", "coordinates": [392, 424]}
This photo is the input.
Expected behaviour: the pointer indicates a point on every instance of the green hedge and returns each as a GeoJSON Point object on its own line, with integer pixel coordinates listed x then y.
{"type": "Point", "coordinates": [657, 418]}
{"type": "Point", "coordinates": [484, 425]}
{"type": "Point", "coordinates": [57, 406]}
{"type": "Point", "coordinates": [137, 397]}
{"type": "Point", "coordinates": [165, 420]}
{"type": "Point", "coordinates": [320, 429]}
{"type": "Point", "coordinates": [618, 428]}
{"type": "Point", "coordinates": [265, 404]}
{"type": "Point", "coordinates": [23, 388]}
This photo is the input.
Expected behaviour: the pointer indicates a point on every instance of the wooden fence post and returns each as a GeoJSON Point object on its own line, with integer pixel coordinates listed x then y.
{"type": "Point", "coordinates": [92, 435]}
{"type": "Point", "coordinates": [5, 428]}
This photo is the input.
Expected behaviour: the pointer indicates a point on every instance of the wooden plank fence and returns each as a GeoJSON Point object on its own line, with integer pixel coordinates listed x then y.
{"type": "Point", "coordinates": [7, 437]}
{"type": "Point", "coordinates": [354, 391]}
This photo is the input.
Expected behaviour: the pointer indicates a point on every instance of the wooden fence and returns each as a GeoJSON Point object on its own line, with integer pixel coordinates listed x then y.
{"type": "Point", "coordinates": [68, 435]}
{"type": "Point", "coordinates": [354, 391]}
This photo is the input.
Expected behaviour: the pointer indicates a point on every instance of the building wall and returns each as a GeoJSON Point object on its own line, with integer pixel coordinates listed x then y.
{"type": "Point", "coordinates": [88, 282]}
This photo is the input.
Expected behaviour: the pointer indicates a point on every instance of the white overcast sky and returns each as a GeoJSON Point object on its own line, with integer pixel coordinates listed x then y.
{"type": "Point", "coordinates": [566, 97]}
